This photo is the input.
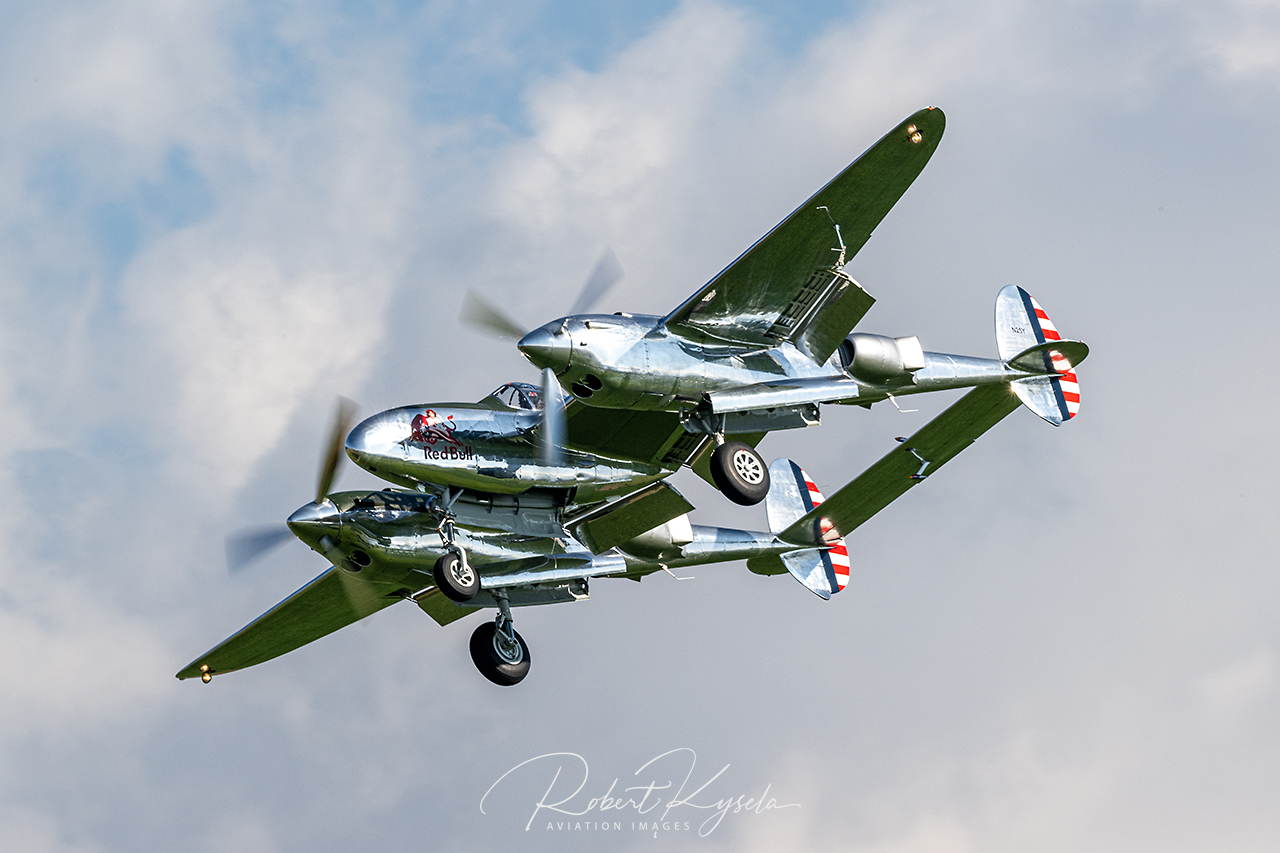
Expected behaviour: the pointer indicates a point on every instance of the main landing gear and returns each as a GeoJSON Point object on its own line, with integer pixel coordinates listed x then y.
{"type": "Point", "coordinates": [736, 469]}
{"type": "Point", "coordinates": [501, 655]}
{"type": "Point", "coordinates": [739, 472]}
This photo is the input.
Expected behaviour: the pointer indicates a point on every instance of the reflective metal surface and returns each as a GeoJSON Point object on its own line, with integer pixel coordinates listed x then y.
{"type": "Point", "coordinates": [772, 333]}
{"type": "Point", "coordinates": [485, 448]}
{"type": "Point", "coordinates": [547, 346]}
{"type": "Point", "coordinates": [508, 489]}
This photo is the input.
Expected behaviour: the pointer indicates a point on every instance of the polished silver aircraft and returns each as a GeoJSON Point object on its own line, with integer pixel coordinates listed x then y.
{"type": "Point", "coordinates": [523, 497]}
{"type": "Point", "coordinates": [454, 551]}
{"type": "Point", "coordinates": [768, 339]}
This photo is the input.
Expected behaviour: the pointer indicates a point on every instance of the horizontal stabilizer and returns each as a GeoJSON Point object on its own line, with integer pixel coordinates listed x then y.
{"type": "Point", "coordinates": [906, 465]}
{"type": "Point", "coordinates": [1050, 357]}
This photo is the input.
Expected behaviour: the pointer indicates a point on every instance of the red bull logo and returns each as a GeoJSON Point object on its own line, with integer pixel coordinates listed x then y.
{"type": "Point", "coordinates": [438, 437]}
{"type": "Point", "coordinates": [460, 453]}
{"type": "Point", "coordinates": [430, 429]}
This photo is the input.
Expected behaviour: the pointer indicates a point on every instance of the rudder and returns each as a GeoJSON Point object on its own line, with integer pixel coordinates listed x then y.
{"type": "Point", "coordinates": [792, 494]}
{"type": "Point", "coordinates": [1025, 333]}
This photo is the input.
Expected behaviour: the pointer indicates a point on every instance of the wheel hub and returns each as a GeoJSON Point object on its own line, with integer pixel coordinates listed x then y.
{"type": "Point", "coordinates": [506, 647]}
{"type": "Point", "coordinates": [463, 573]}
{"type": "Point", "coordinates": [748, 467]}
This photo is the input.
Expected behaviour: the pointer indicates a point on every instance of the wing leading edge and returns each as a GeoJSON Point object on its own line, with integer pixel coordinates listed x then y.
{"type": "Point", "coordinates": [789, 286]}
{"type": "Point", "coordinates": [329, 602]}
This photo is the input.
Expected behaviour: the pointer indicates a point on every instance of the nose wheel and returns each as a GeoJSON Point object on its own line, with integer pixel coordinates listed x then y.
{"type": "Point", "coordinates": [455, 577]}
{"type": "Point", "coordinates": [452, 572]}
{"type": "Point", "coordinates": [501, 655]}
{"type": "Point", "coordinates": [740, 473]}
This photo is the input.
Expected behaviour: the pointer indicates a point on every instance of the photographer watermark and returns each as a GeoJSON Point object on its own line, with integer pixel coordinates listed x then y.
{"type": "Point", "coordinates": [666, 797]}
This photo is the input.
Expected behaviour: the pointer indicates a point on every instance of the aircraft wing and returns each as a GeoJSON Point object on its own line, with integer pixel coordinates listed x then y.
{"type": "Point", "coordinates": [881, 484]}
{"type": "Point", "coordinates": [331, 601]}
{"type": "Point", "coordinates": [639, 435]}
{"type": "Point", "coordinates": [626, 518]}
{"type": "Point", "coordinates": [643, 435]}
{"type": "Point", "coordinates": [788, 286]}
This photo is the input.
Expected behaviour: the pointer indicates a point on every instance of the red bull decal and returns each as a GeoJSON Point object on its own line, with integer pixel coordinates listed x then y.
{"type": "Point", "coordinates": [460, 453]}
{"type": "Point", "coordinates": [429, 430]}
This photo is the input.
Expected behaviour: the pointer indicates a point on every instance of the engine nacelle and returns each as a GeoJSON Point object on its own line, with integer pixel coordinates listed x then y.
{"type": "Point", "coordinates": [876, 358]}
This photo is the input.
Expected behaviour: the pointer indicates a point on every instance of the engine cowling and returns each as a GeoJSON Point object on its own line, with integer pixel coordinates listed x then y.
{"type": "Point", "coordinates": [878, 359]}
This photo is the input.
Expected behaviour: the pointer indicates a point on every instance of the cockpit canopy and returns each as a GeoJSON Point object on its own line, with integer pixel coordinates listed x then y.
{"type": "Point", "coordinates": [519, 395]}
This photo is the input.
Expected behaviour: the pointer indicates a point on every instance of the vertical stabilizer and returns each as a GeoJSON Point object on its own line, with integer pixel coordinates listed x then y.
{"type": "Point", "coordinates": [1022, 325]}
{"type": "Point", "coordinates": [824, 571]}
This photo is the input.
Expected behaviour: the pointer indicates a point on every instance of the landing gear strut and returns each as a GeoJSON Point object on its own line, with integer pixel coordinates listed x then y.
{"type": "Point", "coordinates": [453, 574]}
{"type": "Point", "coordinates": [501, 655]}
{"type": "Point", "coordinates": [739, 472]}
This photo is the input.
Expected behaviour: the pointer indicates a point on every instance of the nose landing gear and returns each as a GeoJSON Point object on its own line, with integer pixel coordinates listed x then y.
{"type": "Point", "coordinates": [453, 574]}
{"type": "Point", "coordinates": [455, 577]}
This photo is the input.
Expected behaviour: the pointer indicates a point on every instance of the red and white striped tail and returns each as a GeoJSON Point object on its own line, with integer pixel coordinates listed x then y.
{"type": "Point", "coordinates": [1068, 386]}
{"type": "Point", "coordinates": [1022, 324]}
{"type": "Point", "coordinates": [838, 553]}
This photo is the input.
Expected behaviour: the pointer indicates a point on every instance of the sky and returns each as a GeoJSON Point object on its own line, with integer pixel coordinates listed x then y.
{"type": "Point", "coordinates": [216, 217]}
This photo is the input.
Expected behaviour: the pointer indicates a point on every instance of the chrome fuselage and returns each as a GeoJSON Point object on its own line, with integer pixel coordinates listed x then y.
{"type": "Point", "coordinates": [633, 361]}
{"type": "Point", "coordinates": [393, 537]}
{"type": "Point", "coordinates": [483, 447]}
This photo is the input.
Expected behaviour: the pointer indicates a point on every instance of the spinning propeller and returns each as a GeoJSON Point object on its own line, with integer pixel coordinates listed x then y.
{"type": "Point", "coordinates": [551, 438]}
{"type": "Point", "coordinates": [245, 547]}
{"type": "Point", "coordinates": [479, 312]}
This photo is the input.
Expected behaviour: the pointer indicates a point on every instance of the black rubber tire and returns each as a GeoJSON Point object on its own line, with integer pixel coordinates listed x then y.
{"type": "Point", "coordinates": [740, 473]}
{"type": "Point", "coordinates": [453, 587]}
{"type": "Point", "coordinates": [493, 666]}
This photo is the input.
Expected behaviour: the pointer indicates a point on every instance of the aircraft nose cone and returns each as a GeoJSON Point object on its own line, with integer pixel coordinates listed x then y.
{"type": "Point", "coordinates": [375, 438]}
{"type": "Point", "coordinates": [322, 514]}
{"type": "Point", "coordinates": [547, 347]}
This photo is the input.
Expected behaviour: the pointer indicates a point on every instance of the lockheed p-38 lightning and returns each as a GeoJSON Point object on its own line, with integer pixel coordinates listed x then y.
{"type": "Point", "coordinates": [524, 499]}
{"type": "Point", "coordinates": [768, 339]}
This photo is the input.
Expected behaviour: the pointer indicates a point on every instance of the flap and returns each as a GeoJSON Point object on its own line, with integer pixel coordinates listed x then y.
{"type": "Point", "coordinates": [626, 518]}
{"type": "Point", "coordinates": [783, 393]}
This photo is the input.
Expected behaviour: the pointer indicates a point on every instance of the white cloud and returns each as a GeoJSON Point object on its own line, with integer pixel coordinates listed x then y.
{"type": "Point", "coordinates": [599, 139]}
{"type": "Point", "coordinates": [1242, 37]}
{"type": "Point", "coordinates": [986, 700]}
{"type": "Point", "coordinates": [1238, 687]}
